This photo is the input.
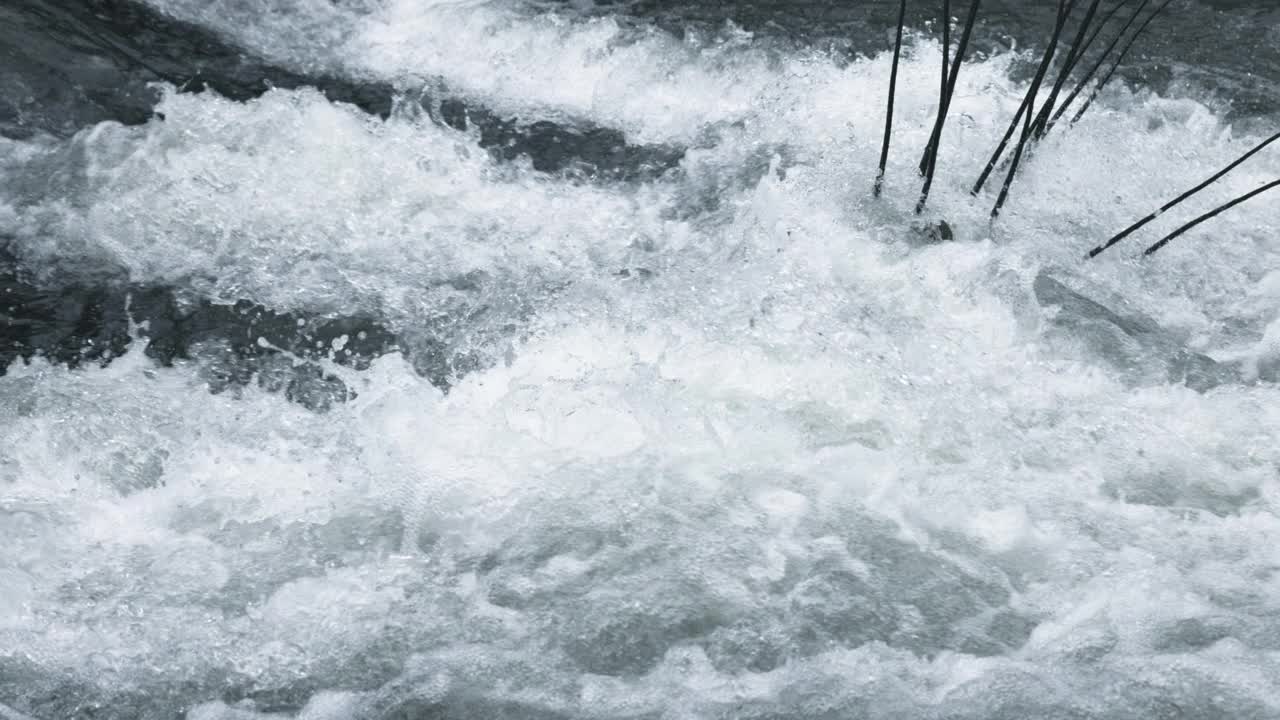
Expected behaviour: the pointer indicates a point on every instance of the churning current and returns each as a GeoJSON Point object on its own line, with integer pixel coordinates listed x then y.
{"type": "Point", "coordinates": [474, 360]}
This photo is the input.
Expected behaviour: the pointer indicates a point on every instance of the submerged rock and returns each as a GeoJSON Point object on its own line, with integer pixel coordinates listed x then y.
{"type": "Point", "coordinates": [70, 64]}
{"type": "Point", "coordinates": [932, 233]}
{"type": "Point", "coordinates": [82, 321]}
{"type": "Point", "coordinates": [1131, 342]}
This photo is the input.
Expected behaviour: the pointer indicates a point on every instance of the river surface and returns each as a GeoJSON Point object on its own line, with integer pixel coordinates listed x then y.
{"type": "Point", "coordinates": [470, 360]}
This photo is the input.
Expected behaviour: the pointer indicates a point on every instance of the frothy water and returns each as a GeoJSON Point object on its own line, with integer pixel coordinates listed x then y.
{"type": "Point", "coordinates": [731, 442]}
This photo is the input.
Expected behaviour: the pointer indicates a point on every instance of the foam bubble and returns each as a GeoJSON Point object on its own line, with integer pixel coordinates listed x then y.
{"type": "Point", "coordinates": [800, 465]}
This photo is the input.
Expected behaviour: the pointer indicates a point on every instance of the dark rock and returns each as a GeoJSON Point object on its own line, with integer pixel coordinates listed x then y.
{"type": "Point", "coordinates": [1131, 342]}
{"type": "Point", "coordinates": [933, 233]}
{"type": "Point", "coordinates": [69, 64]}
{"type": "Point", "coordinates": [70, 324]}
{"type": "Point", "coordinates": [79, 321]}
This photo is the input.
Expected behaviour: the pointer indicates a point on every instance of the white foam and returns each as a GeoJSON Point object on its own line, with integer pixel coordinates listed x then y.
{"type": "Point", "coordinates": [802, 439]}
{"type": "Point", "coordinates": [298, 203]}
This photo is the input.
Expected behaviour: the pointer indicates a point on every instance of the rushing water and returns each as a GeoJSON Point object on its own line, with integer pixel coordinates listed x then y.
{"type": "Point", "coordinates": [585, 379]}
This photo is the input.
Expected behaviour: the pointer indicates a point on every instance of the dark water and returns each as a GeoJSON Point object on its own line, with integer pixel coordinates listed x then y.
{"type": "Point", "coordinates": [408, 359]}
{"type": "Point", "coordinates": [1226, 52]}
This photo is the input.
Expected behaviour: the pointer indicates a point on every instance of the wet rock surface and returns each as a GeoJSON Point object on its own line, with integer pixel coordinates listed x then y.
{"type": "Point", "coordinates": [1130, 342]}
{"type": "Point", "coordinates": [75, 323]}
{"type": "Point", "coordinates": [70, 64]}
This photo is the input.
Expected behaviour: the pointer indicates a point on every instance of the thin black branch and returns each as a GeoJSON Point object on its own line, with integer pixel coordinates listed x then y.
{"type": "Point", "coordinates": [1028, 102]}
{"type": "Point", "coordinates": [1065, 8]}
{"type": "Point", "coordinates": [1097, 65]}
{"type": "Point", "coordinates": [942, 91]}
{"type": "Point", "coordinates": [1211, 214]}
{"type": "Point", "coordinates": [1073, 56]}
{"type": "Point", "coordinates": [1116, 65]}
{"type": "Point", "coordinates": [1167, 206]}
{"type": "Point", "coordinates": [936, 140]}
{"type": "Point", "coordinates": [893, 89]}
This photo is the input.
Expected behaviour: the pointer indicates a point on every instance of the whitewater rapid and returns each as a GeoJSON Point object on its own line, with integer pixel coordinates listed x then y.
{"type": "Point", "coordinates": [730, 441]}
